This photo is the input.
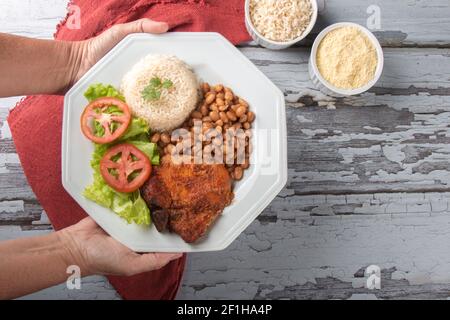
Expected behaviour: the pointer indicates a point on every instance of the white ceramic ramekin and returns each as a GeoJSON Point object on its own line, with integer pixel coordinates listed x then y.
{"type": "Point", "coordinates": [274, 45]}
{"type": "Point", "coordinates": [326, 87]}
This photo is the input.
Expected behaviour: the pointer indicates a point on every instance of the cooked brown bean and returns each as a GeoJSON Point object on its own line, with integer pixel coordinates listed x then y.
{"type": "Point", "coordinates": [240, 111]}
{"type": "Point", "coordinates": [242, 102]}
{"type": "Point", "coordinates": [204, 110]}
{"type": "Point", "coordinates": [196, 115]}
{"type": "Point", "coordinates": [243, 118]}
{"type": "Point", "coordinates": [207, 125]}
{"type": "Point", "coordinates": [214, 115]}
{"type": "Point", "coordinates": [238, 173]}
{"type": "Point", "coordinates": [223, 117]}
{"type": "Point", "coordinates": [250, 116]}
{"type": "Point", "coordinates": [246, 164]}
{"type": "Point", "coordinates": [234, 107]}
{"type": "Point", "coordinates": [155, 137]}
{"type": "Point", "coordinates": [222, 113]}
{"type": "Point", "coordinates": [218, 88]}
{"type": "Point", "coordinates": [165, 138]}
{"type": "Point", "coordinates": [228, 95]}
{"type": "Point", "coordinates": [230, 166]}
{"type": "Point", "coordinates": [186, 124]}
{"type": "Point", "coordinates": [205, 87]}
{"type": "Point", "coordinates": [231, 115]}
{"type": "Point", "coordinates": [210, 97]}
{"type": "Point", "coordinates": [220, 102]}
{"type": "Point", "coordinates": [169, 149]}
{"type": "Point", "coordinates": [161, 145]}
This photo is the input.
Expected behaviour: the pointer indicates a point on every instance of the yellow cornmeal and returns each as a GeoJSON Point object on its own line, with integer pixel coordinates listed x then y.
{"type": "Point", "coordinates": [346, 58]}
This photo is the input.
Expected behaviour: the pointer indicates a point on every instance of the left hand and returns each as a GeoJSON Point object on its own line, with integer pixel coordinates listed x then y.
{"type": "Point", "coordinates": [88, 52]}
{"type": "Point", "coordinates": [96, 252]}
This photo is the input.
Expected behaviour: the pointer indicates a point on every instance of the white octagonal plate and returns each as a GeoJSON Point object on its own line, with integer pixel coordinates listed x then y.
{"type": "Point", "coordinates": [214, 60]}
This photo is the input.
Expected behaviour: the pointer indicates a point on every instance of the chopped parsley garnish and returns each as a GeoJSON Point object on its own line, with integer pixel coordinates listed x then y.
{"type": "Point", "coordinates": [153, 90]}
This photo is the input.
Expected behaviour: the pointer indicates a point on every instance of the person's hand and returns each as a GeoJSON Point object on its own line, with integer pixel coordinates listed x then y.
{"type": "Point", "coordinates": [88, 52]}
{"type": "Point", "coordinates": [96, 252]}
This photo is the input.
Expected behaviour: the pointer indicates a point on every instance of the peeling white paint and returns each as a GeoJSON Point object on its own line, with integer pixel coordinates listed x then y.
{"type": "Point", "coordinates": [5, 132]}
{"type": "Point", "coordinates": [8, 158]}
{"type": "Point", "coordinates": [344, 176]}
{"type": "Point", "coordinates": [11, 206]}
{"type": "Point", "coordinates": [312, 133]}
{"type": "Point", "coordinates": [393, 153]}
{"type": "Point", "coordinates": [349, 153]}
{"type": "Point", "coordinates": [302, 119]}
{"type": "Point", "coordinates": [391, 230]}
{"type": "Point", "coordinates": [372, 128]}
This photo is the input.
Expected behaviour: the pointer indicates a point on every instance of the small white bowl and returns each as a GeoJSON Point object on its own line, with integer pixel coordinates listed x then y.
{"type": "Point", "coordinates": [326, 87]}
{"type": "Point", "coordinates": [275, 45]}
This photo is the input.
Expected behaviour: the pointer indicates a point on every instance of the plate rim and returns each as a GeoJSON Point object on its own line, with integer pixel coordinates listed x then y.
{"type": "Point", "coordinates": [253, 212]}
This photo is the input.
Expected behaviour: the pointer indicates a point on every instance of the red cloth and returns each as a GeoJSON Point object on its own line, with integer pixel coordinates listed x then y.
{"type": "Point", "coordinates": [36, 122]}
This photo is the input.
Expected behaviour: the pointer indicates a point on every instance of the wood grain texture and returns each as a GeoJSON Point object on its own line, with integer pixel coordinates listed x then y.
{"type": "Point", "coordinates": [368, 176]}
{"type": "Point", "coordinates": [402, 23]}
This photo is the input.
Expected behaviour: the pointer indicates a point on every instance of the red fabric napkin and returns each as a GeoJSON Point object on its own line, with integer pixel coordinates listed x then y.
{"type": "Point", "coordinates": [36, 122]}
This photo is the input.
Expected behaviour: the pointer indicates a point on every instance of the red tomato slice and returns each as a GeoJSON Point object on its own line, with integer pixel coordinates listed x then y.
{"type": "Point", "coordinates": [113, 124]}
{"type": "Point", "coordinates": [125, 168]}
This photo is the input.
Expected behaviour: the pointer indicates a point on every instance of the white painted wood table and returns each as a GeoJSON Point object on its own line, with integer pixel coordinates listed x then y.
{"type": "Point", "coordinates": [368, 176]}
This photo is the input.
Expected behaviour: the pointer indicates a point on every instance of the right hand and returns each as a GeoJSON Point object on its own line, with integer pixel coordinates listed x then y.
{"type": "Point", "coordinates": [86, 53]}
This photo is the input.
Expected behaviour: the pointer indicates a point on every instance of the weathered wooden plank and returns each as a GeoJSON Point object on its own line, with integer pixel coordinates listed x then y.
{"type": "Point", "coordinates": [325, 257]}
{"type": "Point", "coordinates": [398, 142]}
{"type": "Point", "coordinates": [401, 23]}
{"type": "Point", "coordinates": [315, 239]}
{"type": "Point", "coordinates": [31, 18]}
{"type": "Point", "coordinates": [328, 151]}
{"type": "Point", "coordinates": [406, 72]}
{"type": "Point", "coordinates": [313, 257]}
{"type": "Point", "coordinates": [92, 288]}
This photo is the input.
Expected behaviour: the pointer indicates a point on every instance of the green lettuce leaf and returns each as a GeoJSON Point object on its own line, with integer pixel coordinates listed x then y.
{"type": "Point", "coordinates": [129, 206]}
{"type": "Point", "coordinates": [137, 127]}
{"type": "Point", "coordinates": [99, 90]}
{"type": "Point", "coordinates": [149, 149]}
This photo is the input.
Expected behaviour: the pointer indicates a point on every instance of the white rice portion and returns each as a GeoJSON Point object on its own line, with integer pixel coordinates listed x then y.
{"type": "Point", "coordinates": [175, 104]}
